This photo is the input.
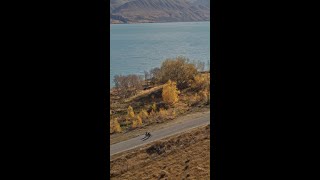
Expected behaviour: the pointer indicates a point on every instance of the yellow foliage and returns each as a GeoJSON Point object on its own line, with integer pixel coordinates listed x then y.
{"type": "Point", "coordinates": [139, 120]}
{"type": "Point", "coordinates": [127, 121]}
{"type": "Point", "coordinates": [134, 124]}
{"type": "Point", "coordinates": [201, 81]}
{"type": "Point", "coordinates": [116, 126]}
{"type": "Point", "coordinates": [173, 113]}
{"type": "Point", "coordinates": [194, 99]}
{"type": "Point", "coordinates": [152, 113]}
{"type": "Point", "coordinates": [204, 95]}
{"type": "Point", "coordinates": [163, 113]}
{"type": "Point", "coordinates": [111, 128]}
{"type": "Point", "coordinates": [170, 93]}
{"type": "Point", "coordinates": [143, 114]}
{"type": "Point", "coordinates": [154, 107]}
{"type": "Point", "coordinates": [130, 112]}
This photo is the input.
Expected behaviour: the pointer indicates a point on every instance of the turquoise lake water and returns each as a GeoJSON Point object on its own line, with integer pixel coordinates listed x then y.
{"type": "Point", "coordinates": [138, 47]}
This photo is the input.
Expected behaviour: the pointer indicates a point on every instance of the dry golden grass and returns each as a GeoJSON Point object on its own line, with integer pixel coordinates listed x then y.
{"type": "Point", "coordinates": [147, 104]}
{"type": "Point", "coordinates": [143, 114]}
{"type": "Point", "coordinates": [201, 81]}
{"type": "Point", "coordinates": [143, 93]}
{"type": "Point", "coordinates": [183, 156]}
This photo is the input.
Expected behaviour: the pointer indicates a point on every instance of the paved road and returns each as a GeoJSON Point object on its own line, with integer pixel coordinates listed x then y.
{"type": "Point", "coordinates": [160, 134]}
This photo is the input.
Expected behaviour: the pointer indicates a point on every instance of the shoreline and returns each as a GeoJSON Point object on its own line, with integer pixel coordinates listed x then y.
{"type": "Point", "coordinates": [160, 22]}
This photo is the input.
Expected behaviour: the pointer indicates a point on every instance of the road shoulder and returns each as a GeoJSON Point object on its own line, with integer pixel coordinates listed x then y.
{"type": "Point", "coordinates": [116, 138]}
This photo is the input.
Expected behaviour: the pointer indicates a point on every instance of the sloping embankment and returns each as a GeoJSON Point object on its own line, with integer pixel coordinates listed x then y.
{"type": "Point", "coordinates": [181, 156]}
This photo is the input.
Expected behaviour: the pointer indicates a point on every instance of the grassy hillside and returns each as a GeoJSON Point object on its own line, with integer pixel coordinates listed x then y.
{"type": "Point", "coordinates": [184, 156]}
{"type": "Point", "coordinates": [144, 103]}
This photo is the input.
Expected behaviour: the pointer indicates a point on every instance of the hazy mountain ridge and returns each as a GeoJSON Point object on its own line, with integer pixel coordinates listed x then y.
{"type": "Point", "coordinates": [139, 11]}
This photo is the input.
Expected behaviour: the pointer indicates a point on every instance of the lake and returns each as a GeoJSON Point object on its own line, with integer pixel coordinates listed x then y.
{"type": "Point", "coordinates": [138, 47]}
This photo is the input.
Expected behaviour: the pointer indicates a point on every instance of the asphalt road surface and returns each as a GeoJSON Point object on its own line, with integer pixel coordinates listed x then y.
{"type": "Point", "coordinates": [160, 134]}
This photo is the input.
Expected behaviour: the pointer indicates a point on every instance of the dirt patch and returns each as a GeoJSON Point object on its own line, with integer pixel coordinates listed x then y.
{"type": "Point", "coordinates": [183, 156]}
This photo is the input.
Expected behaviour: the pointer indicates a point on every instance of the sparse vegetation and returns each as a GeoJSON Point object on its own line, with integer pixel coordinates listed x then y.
{"type": "Point", "coordinates": [143, 114]}
{"type": "Point", "coordinates": [115, 126]}
{"type": "Point", "coordinates": [154, 107]}
{"type": "Point", "coordinates": [134, 124]}
{"type": "Point", "coordinates": [130, 112]}
{"type": "Point", "coordinates": [200, 82]}
{"type": "Point", "coordinates": [199, 65]}
{"type": "Point", "coordinates": [176, 88]}
{"type": "Point", "coordinates": [162, 113]}
{"type": "Point", "coordinates": [139, 120]}
{"type": "Point", "coordinates": [189, 152]}
{"type": "Point", "coordinates": [128, 85]}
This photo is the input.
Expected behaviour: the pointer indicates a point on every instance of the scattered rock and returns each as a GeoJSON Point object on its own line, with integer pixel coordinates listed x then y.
{"type": "Point", "coordinates": [199, 168]}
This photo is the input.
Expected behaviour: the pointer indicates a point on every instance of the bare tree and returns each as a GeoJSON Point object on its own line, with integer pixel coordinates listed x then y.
{"type": "Point", "coordinates": [146, 75]}
{"type": "Point", "coordinates": [155, 74]}
{"type": "Point", "coordinates": [128, 85]}
{"type": "Point", "coordinates": [199, 65]}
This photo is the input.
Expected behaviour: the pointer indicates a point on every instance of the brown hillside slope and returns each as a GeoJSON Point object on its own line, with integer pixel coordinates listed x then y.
{"type": "Point", "coordinates": [178, 157]}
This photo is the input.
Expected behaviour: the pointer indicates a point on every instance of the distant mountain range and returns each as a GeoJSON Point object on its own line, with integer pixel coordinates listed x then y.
{"type": "Point", "coordinates": [148, 11]}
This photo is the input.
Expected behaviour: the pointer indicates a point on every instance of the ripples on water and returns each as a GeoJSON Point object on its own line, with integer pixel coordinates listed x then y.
{"type": "Point", "coordinates": [138, 47]}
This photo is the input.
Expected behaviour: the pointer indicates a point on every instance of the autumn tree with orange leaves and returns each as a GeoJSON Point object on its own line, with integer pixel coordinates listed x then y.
{"type": "Point", "coordinates": [170, 93]}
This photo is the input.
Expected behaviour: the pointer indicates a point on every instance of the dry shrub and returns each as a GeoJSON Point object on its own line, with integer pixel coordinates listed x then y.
{"type": "Point", "coordinates": [173, 113]}
{"type": "Point", "coordinates": [128, 85]}
{"type": "Point", "coordinates": [168, 114]}
{"type": "Point", "coordinates": [111, 128]}
{"type": "Point", "coordinates": [158, 147]}
{"type": "Point", "coordinates": [163, 113]}
{"type": "Point", "coordinates": [205, 95]}
{"type": "Point", "coordinates": [170, 93]}
{"type": "Point", "coordinates": [194, 99]}
{"type": "Point", "coordinates": [143, 114]}
{"type": "Point", "coordinates": [127, 121]}
{"type": "Point", "coordinates": [200, 82]}
{"type": "Point", "coordinates": [178, 70]}
{"type": "Point", "coordinates": [152, 113]}
{"type": "Point", "coordinates": [130, 112]}
{"type": "Point", "coordinates": [134, 124]}
{"type": "Point", "coordinates": [115, 126]}
{"type": "Point", "coordinates": [139, 120]}
{"type": "Point", "coordinates": [154, 107]}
